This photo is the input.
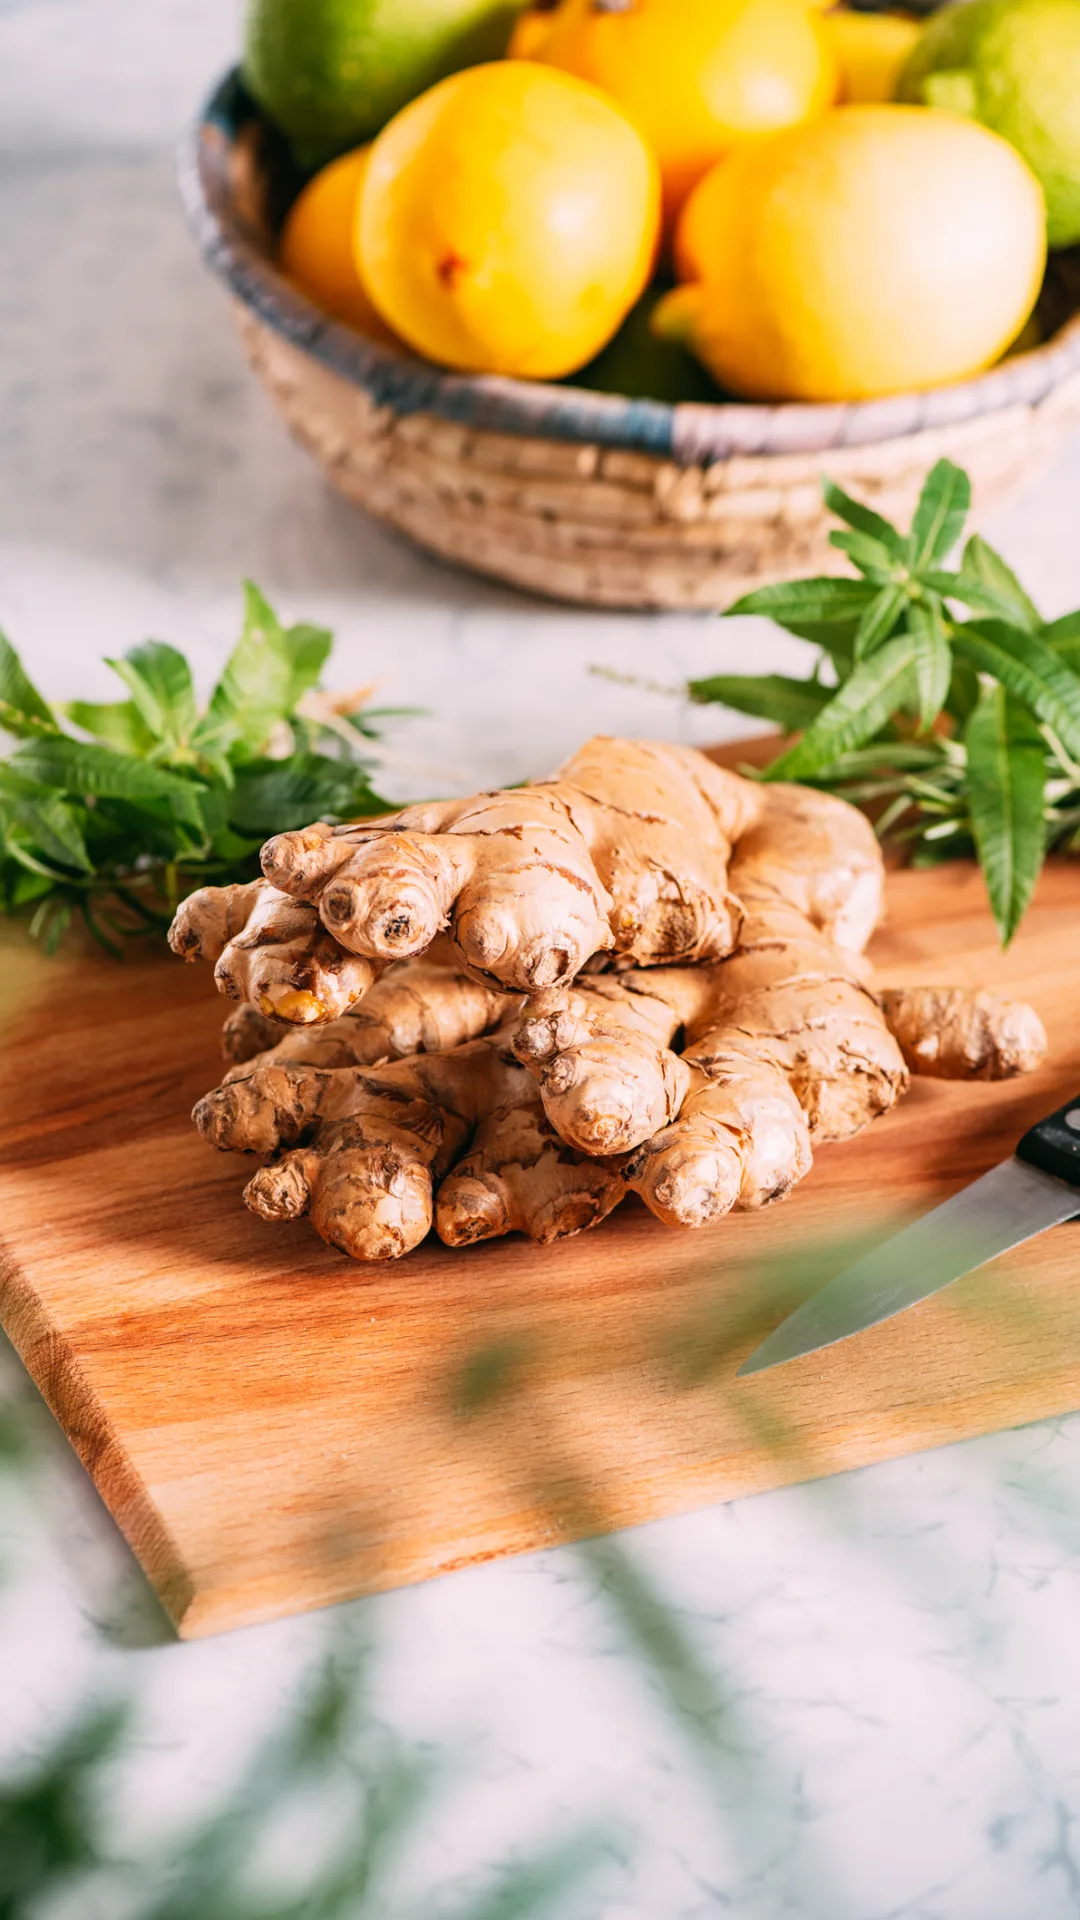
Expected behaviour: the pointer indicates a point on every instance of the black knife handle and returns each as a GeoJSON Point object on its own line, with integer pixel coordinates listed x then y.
{"type": "Point", "coordinates": [1054, 1145]}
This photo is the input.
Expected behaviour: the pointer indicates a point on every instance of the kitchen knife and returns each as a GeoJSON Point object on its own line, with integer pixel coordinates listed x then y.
{"type": "Point", "coordinates": [1038, 1187]}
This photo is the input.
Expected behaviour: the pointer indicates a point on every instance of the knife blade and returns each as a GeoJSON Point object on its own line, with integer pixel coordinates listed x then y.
{"type": "Point", "coordinates": [1037, 1188]}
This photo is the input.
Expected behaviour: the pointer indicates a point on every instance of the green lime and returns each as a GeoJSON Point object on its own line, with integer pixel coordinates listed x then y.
{"type": "Point", "coordinates": [333, 72]}
{"type": "Point", "coordinates": [1014, 65]}
{"type": "Point", "coordinates": [637, 364]}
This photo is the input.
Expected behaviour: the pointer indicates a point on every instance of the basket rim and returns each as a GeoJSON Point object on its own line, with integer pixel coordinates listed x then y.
{"type": "Point", "coordinates": [687, 432]}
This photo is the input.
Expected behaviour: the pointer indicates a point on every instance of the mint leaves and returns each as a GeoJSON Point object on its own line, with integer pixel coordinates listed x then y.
{"type": "Point", "coordinates": [940, 699]}
{"type": "Point", "coordinates": [110, 812]}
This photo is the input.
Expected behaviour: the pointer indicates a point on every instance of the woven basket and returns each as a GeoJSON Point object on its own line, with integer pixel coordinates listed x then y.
{"type": "Point", "coordinates": [586, 496]}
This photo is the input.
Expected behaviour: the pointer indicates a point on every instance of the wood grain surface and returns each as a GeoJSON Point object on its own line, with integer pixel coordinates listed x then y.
{"type": "Point", "coordinates": [275, 1428]}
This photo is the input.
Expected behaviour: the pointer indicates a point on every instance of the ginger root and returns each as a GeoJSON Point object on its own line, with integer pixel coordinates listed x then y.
{"type": "Point", "coordinates": [624, 851]}
{"type": "Point", "coordinates": [366, 1151]}
{"type": "Point", "coordinates": [450, 1062]}
{"type": "Point", "coordinates": [958, 1034]}
{"type": "Point", "coordinates": [784, 1043]}
{"type": "Point", "coordinates": [416, 1006]}
{"type": "Point", "coordinates": [271, 951]}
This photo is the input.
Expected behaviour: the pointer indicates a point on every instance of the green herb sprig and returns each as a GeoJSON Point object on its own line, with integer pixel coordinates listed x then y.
{"type": "Point", "coordinates": [110, 813]}
{"type": "Point", "coordinates": [940, 697]}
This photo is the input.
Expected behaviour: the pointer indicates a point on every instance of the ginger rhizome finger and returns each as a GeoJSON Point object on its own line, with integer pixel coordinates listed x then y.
{"type": "Point", "coordinates": [416, 1006]}
{"type": "Point", "coordinates": [790, 1001]}
{"type": "Point", "coordinates": [958, 1033]}
{"type": "Point", "coordinates": [624, 852]}
{"type": "Point", "coordinates": [364, 1150]}
{"type": "Point", "coordinates": [271, 951]}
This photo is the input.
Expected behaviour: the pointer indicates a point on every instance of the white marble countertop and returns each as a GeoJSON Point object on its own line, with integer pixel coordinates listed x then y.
{"type": "Point", "coordinates": [898, 1650]}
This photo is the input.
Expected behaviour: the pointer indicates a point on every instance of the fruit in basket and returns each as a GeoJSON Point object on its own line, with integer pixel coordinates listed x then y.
{"type": "Point", "coordinates": [531, 29]}
{"type": "Point", "coordinates": [870, 50]}
{"type": "Point", "coordinates": [697, 76]}
{"type": "Point", "coordinates": [508, 221]}
{"type": "Point", "coordinates": [640, 366]}
{"type": "Point", "coordinates": [1014, 65]}
{"type": "Point", "coordinates": [878, 250]}
{"type": "Point", "coordinates": [333, 72]}
{"type": "Point", "coordinates": [317, 245]}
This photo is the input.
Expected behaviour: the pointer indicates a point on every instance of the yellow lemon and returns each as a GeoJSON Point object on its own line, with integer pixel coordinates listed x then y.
{"type": "Point", "coordinates": [697, 76]}
{"type": "Point", "coordinates": [870, 49]}
{"type": "Point", "coordinates": [508, 221]}
{"type": "Point", "coordinates": [878, 250]}
{"type": "Point", "coordinates": [692, 243]}
{"type": "Point", "coordinates": [531, 29]}
{"type": "Point", "coordinates": [317, 248]}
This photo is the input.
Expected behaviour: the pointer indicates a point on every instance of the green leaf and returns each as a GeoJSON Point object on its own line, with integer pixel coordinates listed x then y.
{"type": "Point", "coordinates": [860, 708]}
{"type": "Point", "coordinates": [52, 828]}
{"type": "Point", "coordinates": [879, 620]}
{"type": "Point", "coordinates": [963, 692]}
{"type": "Point", "coordinates": [22, 708]}
{"type": "Point", "coordinates": [863, 518]}
{"type": "Point", "coordinates": [159, 680]}
{"type": "Point", "coordinates": [939, 517]}
{"type": "Point", "coordinates": [987, 585]}
{"type": "Point", "coordinates": [1032, 671]}
{"type": "Point", "coordinates": [933, 659]}
{"type": "Point", "coordinates": [119, 724]}
{"type": "Point", "coordinates": [871, 558]}
{"type": "Point", "coordinates": [1006, 767]}
{"type": "Point", "coordinates": [792, 704]}
{"type": "Point", "coordinates": [78, 767]}
{"type": "Point", "coordinates": [268, 671]}
{"type": "Point", "coordinates": [1064, 636]}
{"type": "Point", "coordinates": [272, 796]}
{"type": "Point", "coordinates": [824, 600]}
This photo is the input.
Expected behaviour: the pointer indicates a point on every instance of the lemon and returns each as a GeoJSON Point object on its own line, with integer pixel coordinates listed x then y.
{"type": "Point", "coordinates": [1014, 65]}
{"type": "Point", "coordinates": [870, 49]}
{"type": "Point", "coordinates": [692, 242]}
{"type": "Point", "coordinates": [333, 72]}
{"type": "Point", "coordinates": [696, 76]}
{"type": "Point", "coordinates": [531, 29]}
{"type": "Point", "coordinates": [508, 221]}
{"type": "Point", "coordinates": [879, 249]}
{"type": "Point", "coordinates": [317, 249]}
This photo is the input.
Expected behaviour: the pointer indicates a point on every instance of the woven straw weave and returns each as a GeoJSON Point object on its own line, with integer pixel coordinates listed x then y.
{"type": "Point", "coordinates": [593, 497]}
{"type": "Point", "coordinates": [615, 528]}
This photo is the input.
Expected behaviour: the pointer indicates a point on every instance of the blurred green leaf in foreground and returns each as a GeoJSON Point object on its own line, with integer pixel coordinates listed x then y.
{"type": "Point", "coordinates": [110, 813]}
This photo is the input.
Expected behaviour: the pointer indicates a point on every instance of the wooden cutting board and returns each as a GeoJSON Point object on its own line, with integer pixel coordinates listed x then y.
{"type": "Point", "coordinates": [275, 1428]}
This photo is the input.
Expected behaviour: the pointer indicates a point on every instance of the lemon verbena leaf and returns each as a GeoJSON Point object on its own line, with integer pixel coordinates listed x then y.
{"type": "Point", "coordinates": [80, 767]}
{"type": "Point", "coordinates": [1006, 770]}
{"type": "Point", "coordinates": [863, 518]}
{"type": "Point", "coordinates": [873, 560]}
{"type": "Point", "coordinates": [791, 704]}
{"type": "Point", "coordinates": [879, 620]}
{"type": "Point", "coordinates": [795, 604]}
{"type": "Point", "coordinates": [939, 517]}
{"type": "Point", "coordinates": [933, 659]}
{"type": "Point", "coordinates": [22, 707]}
{"type": "Point", "coordinates": [1034, 673]}
{"type": "Point", "coordinates": [857, 711]}
{"type": "Point", "coordinates": [987, 585]}
{"type": "Point", "coordinates": [1064, 636]}
{"type": "Point", "coordinates": [159, 681]}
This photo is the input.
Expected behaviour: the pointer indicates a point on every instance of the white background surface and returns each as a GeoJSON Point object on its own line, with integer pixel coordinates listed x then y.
{"type": "Point", "coordinates": [900, 1646]}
